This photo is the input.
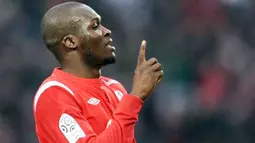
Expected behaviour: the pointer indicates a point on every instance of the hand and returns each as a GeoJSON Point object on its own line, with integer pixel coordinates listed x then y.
{"type": "Point", "coordinates": [147, 74]}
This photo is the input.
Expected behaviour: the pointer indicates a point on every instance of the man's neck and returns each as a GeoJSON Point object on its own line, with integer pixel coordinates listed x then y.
{"type": "Point", "coordinates": [81, 71]}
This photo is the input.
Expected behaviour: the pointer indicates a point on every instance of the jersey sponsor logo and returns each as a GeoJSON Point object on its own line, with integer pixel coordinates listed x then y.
{"type": "Point", "coordinates": [70, 128]}
{"type": "Point", "coordinates": [118, 94]}
{"type": "Point", "coordinates": [93, 101]}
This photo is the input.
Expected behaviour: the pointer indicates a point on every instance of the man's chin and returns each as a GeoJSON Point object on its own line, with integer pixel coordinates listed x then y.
{"type": "Point", "coordinates": [109, 60]}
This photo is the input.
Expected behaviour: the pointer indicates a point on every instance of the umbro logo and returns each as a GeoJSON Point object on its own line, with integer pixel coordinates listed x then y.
{"type": "Point", "coordinates": [93, 101]}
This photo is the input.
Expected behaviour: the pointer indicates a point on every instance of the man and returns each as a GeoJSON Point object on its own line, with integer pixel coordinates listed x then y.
{"type": "Point", "coordinates": [75, 104]}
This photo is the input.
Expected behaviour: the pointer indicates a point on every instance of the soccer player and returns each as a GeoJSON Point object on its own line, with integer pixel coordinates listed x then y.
{"type": "Point", "coordinates": [76, 104]}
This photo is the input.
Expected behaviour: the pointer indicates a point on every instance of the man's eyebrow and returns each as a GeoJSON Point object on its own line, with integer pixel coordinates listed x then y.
{"type": "Point", "coordinates": [97, 18]}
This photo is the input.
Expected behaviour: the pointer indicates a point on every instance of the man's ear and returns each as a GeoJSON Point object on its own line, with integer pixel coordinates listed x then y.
{"type": "Point", "coordinates": [70, 41]}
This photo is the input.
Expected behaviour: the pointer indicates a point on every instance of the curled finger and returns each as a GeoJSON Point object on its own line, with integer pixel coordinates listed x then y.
{"type": "Point", "coordinates": [152, 61]}
{"type": "Point", "coordinates": [159, 75]}
{"type": "Point", "coordinates": [157, 67]}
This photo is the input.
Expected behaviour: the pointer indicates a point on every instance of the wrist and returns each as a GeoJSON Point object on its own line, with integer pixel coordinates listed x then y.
{"type": "Point", "coordinates": [139, 95]}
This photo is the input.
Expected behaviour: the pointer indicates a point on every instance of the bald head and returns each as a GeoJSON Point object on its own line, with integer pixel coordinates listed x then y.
{"type": "Point", "coordinates": [64, 19]}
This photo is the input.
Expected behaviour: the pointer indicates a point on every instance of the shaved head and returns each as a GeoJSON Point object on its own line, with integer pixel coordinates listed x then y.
{"type": "Point", "coordinates": [73, 32]}
{"type": "Point", "coordinates": [62, 20]}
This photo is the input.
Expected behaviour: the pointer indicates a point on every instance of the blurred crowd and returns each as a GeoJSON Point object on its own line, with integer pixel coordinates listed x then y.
{"type": "Point", "coordinates": [206, 48]}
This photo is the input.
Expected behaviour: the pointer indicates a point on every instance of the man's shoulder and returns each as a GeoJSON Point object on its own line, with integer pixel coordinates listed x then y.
{"type": "Point", "coordinates": [53, 80]}
{"type": "Point", "coordinates": [113, 84]}
{"type": "Point", "coordinates": [50, 83]}
{"type": "Point", "coordinates": [109, 81]}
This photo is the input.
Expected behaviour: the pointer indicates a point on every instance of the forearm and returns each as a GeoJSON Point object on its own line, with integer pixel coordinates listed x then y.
{"type": "Point", "coordinates": [121, 129]}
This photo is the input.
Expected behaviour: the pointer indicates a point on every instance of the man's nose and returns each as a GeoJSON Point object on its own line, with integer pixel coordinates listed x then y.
{"type": "Point", "coordinates": [106, 31]}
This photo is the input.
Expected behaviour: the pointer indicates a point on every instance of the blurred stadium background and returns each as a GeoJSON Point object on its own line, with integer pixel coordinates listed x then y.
{"type": "Point", "coordinates": [206, 46]}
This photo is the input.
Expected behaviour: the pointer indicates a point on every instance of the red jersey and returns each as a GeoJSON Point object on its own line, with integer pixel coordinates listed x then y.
{"type": "Point", "coordinates": [69, 109]}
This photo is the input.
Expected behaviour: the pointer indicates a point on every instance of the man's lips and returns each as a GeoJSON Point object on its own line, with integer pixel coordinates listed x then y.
{"type": "Point", "coordinates": [109, 45]}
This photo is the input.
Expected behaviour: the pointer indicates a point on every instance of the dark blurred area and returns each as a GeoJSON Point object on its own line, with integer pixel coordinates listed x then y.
{"type": "Point", "coordinates": [206, 48]}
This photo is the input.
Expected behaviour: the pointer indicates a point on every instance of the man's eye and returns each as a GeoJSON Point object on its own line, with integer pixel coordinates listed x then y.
{"type": "Point", "coordinates": [95, 26]}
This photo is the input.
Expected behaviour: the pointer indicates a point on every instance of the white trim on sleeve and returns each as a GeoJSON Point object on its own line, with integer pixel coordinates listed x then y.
{"type": "Point", "coordinates": [46, 86]}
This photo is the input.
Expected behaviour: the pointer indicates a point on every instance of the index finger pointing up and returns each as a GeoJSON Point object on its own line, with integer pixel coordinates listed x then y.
{"type": "Point", "coordinates": [141, 57]}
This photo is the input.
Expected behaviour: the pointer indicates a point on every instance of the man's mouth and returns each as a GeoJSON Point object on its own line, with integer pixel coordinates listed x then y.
{"type": "Point", "coordinates": [109, 45]}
